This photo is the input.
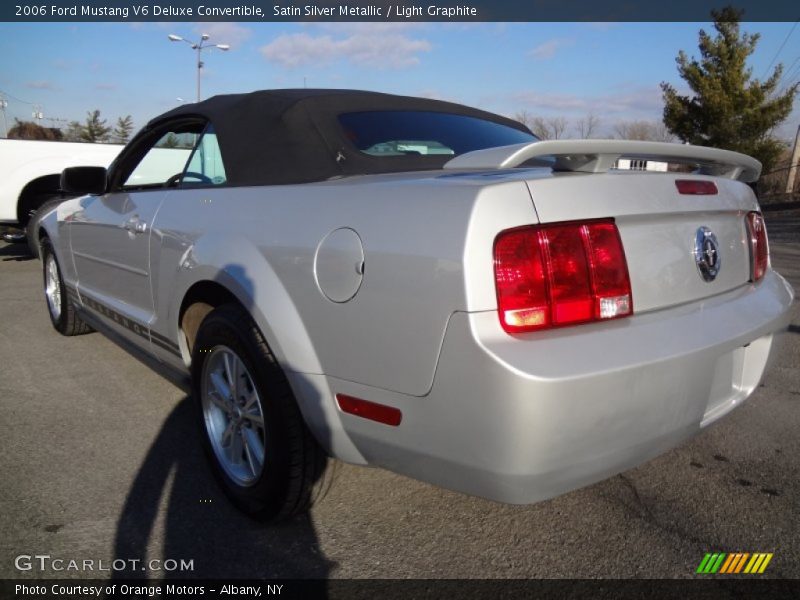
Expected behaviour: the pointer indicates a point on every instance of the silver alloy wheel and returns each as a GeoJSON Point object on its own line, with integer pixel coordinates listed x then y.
{"type": "Point", "coordinates": [52, 287]}
{"type": "Point", "coordinates": [233, 415]}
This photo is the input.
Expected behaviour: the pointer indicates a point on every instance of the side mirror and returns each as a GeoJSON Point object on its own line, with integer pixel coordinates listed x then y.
{"type": "Point", "coordinates": [84, 180]}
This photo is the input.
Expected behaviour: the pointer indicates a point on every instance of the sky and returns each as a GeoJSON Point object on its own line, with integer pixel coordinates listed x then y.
{"type": "Point", "coordinates": [612, 70]}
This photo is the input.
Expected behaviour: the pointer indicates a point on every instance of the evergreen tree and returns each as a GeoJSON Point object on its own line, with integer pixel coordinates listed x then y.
{"type": "Point", "coordinates": [74, 132]}
{"type": "Point", "coordinates": [171, 141]}
{"type": "Point", "coordinates": [123, 129]}
{"type": "Point", "coordinates": [95, 128]}
{"type": "Point", "coordinates": [727, 108]}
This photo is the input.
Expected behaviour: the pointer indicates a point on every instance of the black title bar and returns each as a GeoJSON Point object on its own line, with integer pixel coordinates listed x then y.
{"type": "Point", "coordinates": [710, 588]}
{"type": "Point", "coordinates": [389, 10]}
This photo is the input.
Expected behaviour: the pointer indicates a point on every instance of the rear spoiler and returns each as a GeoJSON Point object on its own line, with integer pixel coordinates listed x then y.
{"type": "Point", "coordinates": [598, 156]}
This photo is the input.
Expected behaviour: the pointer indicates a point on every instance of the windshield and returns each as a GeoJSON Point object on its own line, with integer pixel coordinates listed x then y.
{"type": "Point", "coordinates": [412, 132]}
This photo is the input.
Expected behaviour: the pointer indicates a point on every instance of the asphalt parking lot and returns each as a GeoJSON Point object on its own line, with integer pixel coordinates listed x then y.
{"type": "Point", "coordinates": [100, 460]}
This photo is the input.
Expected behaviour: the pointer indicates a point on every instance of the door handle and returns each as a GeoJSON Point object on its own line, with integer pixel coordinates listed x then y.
{"type": "Point", "coordinates": [135, 225]}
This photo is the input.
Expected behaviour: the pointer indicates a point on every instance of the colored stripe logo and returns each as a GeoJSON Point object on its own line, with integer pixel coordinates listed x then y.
{"type": "Point", "coordinates": [729, 563]}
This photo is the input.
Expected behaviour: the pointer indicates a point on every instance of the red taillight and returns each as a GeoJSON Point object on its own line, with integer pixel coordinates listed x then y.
{"type": "Point", "coordinates": [695, 187]}
{"type": "Point", "coordinates": [369, 410]}
{"type": "Point", "coordinates": [553, 275]}
{"type": "Point", "coordinates": [759, 247]}
{"type": "Point", "coordinates": [612, 285]}
{"type": "Point", "coordinates": [521, 280]}
{"type": "Point", "coordinates": [568, 274]}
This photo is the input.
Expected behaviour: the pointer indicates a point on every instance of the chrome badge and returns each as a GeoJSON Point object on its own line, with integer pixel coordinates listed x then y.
{"type": "Point", "coordinates": [706, 253]}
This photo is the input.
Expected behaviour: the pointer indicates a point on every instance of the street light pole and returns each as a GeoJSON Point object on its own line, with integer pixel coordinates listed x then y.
{"type": "Point", "coordinates": [199, 47]}
{"type": "Point", "coordinates": [3, 106]}
{"type": "Point", "coordinates": [199, 67]}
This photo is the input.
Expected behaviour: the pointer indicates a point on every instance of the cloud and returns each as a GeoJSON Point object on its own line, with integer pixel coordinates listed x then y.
{"type": "Point", "coordinates": [105, 86]}
{"type": "Point", "coordinates": [40, 85]}
{"type": "Point", "coordinates": [435, 94]}
{"type": "Point", "coordinates": [430, 93]}
{"type": "Point", "coordinates": [384, 46]}
{"type": "Point", "coordinates": [601, 25]}
{"type": "Point", "coordinates": [62, 65]}
{"type": "Point", "coordinates": [640, 102]}
{"type": "Point", "coordinates": [232, 34]}
{"type": "Point", "coordinates": [548, 49]}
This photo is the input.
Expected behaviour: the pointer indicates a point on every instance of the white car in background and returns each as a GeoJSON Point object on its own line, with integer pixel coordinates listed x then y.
{"type": "Point", "coordinates": [32, 173]}
{"type": "Point", "coordinates": [421, 286]}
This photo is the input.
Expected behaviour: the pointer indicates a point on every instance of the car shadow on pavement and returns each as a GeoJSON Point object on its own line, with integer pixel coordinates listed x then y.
{"type": "Point", "coordinates": [175, 500]}
{"type": "Point", "coordinates": [16, 252]}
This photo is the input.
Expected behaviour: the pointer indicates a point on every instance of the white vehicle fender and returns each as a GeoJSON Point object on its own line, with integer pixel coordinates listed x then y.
{"type": "Point", "coordinates": [16, 181]}
{"type": "Point", "coordinates": [19, 176]}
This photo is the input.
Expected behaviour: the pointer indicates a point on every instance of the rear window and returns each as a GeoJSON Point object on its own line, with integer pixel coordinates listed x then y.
{"type": "Point", "coordinates": [413, 132]}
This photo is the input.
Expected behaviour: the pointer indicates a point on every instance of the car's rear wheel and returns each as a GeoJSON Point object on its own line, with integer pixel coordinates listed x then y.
{"type": "Point", "coordinates": [233, 416]}
{"type": "Point", "coordinates": [260, 448]}
{"type": "Point", "coordinates": [62, 312]}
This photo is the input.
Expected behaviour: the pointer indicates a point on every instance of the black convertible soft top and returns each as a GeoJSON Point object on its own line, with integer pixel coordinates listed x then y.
{"type": "Point", "coordinates": [294, 135]}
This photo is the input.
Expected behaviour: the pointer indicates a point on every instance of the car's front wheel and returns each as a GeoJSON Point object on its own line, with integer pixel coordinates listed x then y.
{"type": "Point", "coordinates": [32, 228]}
{"type": "Point", "coordinates": [62, 312]}
{"type": "Point", "coordinates": [260, 448]}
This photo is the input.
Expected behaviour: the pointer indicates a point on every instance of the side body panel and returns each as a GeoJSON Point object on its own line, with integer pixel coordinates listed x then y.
{"type": "Point", "coordinates": [109, 242]}
{"type": "Point", "coordinates": [262, 243]}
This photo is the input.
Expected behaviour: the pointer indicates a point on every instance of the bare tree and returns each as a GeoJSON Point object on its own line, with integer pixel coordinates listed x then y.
{"type": "Point", "coordinates": [540, 129]}
{"type": "Point", "coordinates": [557, 126]}
{"type": "Point", "coordinates": [535, 124]}
{"type": "Point", "coordinates": [661, 132]}
{"type": "Point", "coordinates": [632, 130]}
{"type": "Point", "coordinates": [588, 126]}
{"type": "Point", "coordinates": [653, 131]}
{"type": "Point", "coordinates": [552, 128]}
{"type": "Point", "coordinates": [28, 130]}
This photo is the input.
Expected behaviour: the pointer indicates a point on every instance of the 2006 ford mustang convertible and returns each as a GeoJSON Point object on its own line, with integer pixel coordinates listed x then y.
{"type": "Point", "coordinates": [421, 286]}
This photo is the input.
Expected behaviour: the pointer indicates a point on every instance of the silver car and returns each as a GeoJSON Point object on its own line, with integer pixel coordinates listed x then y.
{"type": "Point", "coordinates": [422, 286]}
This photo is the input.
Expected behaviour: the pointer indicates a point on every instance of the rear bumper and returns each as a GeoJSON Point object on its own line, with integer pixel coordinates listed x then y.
{"type": "Point", "coordinates": [522, 419]}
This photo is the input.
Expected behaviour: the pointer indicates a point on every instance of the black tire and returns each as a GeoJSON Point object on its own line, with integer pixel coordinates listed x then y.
{"type": "Point", "coordinates": [32, 228]}
{"type": "Point", "coordinates": [294, 470]}
{"type": "Point", "coordinates": [65, 320]}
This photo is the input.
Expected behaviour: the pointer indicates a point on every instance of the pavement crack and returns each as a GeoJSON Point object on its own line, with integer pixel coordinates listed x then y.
{"type": "Point", "coordinates": [643, 511]}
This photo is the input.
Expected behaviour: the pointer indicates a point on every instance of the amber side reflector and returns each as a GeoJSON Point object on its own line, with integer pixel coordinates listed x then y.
{"type": "Point", "coordinates": [695, 187]}
{"type": "Point", "coordinates": [373, 411]}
